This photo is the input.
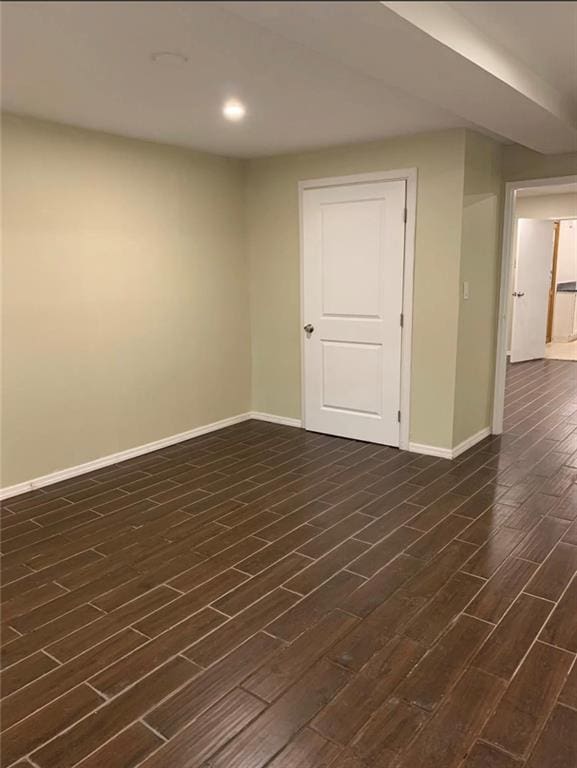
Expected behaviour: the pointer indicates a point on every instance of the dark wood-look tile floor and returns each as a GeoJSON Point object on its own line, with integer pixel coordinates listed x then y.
{"type": "Point", "coordinates": [264, 596]}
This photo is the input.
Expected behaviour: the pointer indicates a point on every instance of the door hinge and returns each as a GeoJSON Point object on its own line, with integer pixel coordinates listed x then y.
{"type": "Point", "coordinates": [402, 319]}
{"type": "Point", "coordinates": [405, 215]}
{"type": "Point", "coordinates": [399, 416]}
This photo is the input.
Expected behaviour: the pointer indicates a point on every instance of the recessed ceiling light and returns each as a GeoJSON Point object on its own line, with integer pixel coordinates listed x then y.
{"type": "Point", "coordinates": [234, 110]}
{"type": "Point", "coordinates": [169, 58]}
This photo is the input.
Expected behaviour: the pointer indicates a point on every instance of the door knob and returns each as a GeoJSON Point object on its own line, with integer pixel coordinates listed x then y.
{"type": "Point", "coordinates": [309, 328]}
{"type": "Point", "coordinates": [518, 294]}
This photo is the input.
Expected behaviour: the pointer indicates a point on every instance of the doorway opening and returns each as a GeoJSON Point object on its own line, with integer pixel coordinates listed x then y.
{"type": "Point", "coordinates": [538, 303]}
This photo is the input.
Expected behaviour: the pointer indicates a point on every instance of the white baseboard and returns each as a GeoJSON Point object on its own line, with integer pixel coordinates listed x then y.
{"type": "Point", "coordinates": [450, 453]}
{"type": "Point", "coordinates": [115, 458]}
{"type": "Point", "coordinates": [471, 441]}
{"type": "Point", "coordinates": [276, 419]}
{"type": "Point", "coordinates": [431, 450]}
{"type": "Point", "coordinates": [140, 450]}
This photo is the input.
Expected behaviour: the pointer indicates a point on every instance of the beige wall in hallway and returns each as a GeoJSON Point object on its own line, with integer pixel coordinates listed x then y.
{"type": "Point", "coordinates": [125, 295]}
{"type": "Point", "coordinates": [273, 245]}
{"type": "Point", "coordinates": [521, 163]}
{"type": "Point", "coordinates": [547, 207]}
{"type": "Point", "coordinates": [480, 267]}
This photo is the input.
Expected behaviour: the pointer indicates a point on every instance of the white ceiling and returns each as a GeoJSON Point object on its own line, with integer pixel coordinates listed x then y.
{"type": "Point", "coordinates": [543, 35]}
{"type": "Point", "coordinates": [311, 74]}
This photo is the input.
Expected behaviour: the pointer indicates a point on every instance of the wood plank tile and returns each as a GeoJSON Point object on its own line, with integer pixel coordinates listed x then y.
{"type": "Point", "coordinates": [438, 537]}
{"type": "Point", "coordinates": [492, 554]}
{"type": "Point", "coordinates": [382, 553]}
{"type": "Point", "coordinates": [215, 565]}
{"type": "Point", "coordinates": [268, 554]}
{"type": "Point", "coordinates": [96, 631]}
{"type": "Point", "coordinates": [486, 525]}
{"type": "Point", "coordinates": [453, 728]}
{"type": "Point", "coordinates": [568, 695]}
{"type": "Point", "coordinates": [333, 536]}
{"type": "Point", "coordinates": [251, 590]}
{"type": "Point", "coordinates": [388, 732]}
{"type": "Point", "coordinates": [153, 653]}
{"type": "Point", "coordinates": [192, 601]}
{"type": "Point", "coordinates": [443, 608]}
{"type": "Point", "coordinates": [503, 651]}
{"type": "Point", "coordinates": [437, 571]}
{"type": "Point", "coordinates": [25, 672]}
{"type": "Point", "coordinates": [48, 722]}
{"type": "Point", "coordinates": [374, 632]}
{"type": "Point", "coordinates": [26, 603]}
{"type": "Point", "coordinates": [386, 524]}
{"type": "Point", "coordinates": [501, 590]}
{"type": "Point", "coordinates": [364, 600]}
{"type": "Point", "coordinates": [486, 756]}
{"type": "Point", "coordinates": [66, 602]}
{"type": "Point", "coordinates": [433, 514]}
{"type": "Point", "coordinates": [274, 728]}
{"type": "Point", "coordinates": [24, 645]}
{"type": "Point", "coordinates": [528, 700]}
{"type": "Point", "coordinates": [286, 666]}
{"type": "Point", "coordinates": [541, 540]}
{"type": "Point", "coordinates": [306, 750]}
{"type": "Point", "coordinates": [557, 745]}
{"type": "Point", "coordinates": [206, 688]}
{"type": "Point", "coordinates": [561, 628]}
{"type": "Point", "coordinates": [314, 606]}
{"type": "Point", "coordinates": [61, 679]}
{"type": "Point", "coordinates": [566, 507]}
{"type": "Point", "coordinates": [88, 734]}
{"type": "Point", "coordinates": [342, 718]}
{"type": "Point", "coordinates": [238, 629]}
{"type": "Point", "coordinates": [220, 518]}
{"type": "Point", "coordinates": [555, 573]}
{"type": "Point", "coordinates": [125, 750]}
{"type": "Point", "coordinates": [434, 676]}
{"type": "Point", "coordinates": [338, 512]}
{"type": "Point", "coordinates": [212, 730]}
{"type": "Point", "coordinates": [315, 574]}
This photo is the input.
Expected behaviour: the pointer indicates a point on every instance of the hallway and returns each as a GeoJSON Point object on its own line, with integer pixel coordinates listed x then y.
{"type": "Point", "coordinates": [263, 596]}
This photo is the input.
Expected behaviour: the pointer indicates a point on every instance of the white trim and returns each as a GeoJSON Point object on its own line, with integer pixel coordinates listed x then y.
{"type": "Point", "coordinates": [450, 453]}
{"type": "Point", "coordinates": [116, 458]}
{"type": "Point", "coordinates": [471, 441]}
{"type": "Point", "coordinates": [270, 417]}
{"type": "Point", "coordinates": [509, 226]}
{"type": "Point", "coordinates": [140, 450]}
{"type": "Point", "coordinates": [431, 450]}
{"type": "Point", "coordinates": [410, 176]}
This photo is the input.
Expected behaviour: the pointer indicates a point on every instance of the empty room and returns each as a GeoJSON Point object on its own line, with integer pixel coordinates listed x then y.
{"type": "Point", "coordinates": [288, 465]}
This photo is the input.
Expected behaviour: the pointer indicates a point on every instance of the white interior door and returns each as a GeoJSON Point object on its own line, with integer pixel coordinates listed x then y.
{"type": "Point", "coordinates": [533, 262]}
{"type": "Point", "coordinates": [353, 255]}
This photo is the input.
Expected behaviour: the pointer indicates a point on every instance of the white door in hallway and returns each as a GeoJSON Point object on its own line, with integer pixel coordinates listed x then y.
{"type": "Point", "coordinates": [534, 258]}
{"type": "Point", "coordinates": [353, 258]}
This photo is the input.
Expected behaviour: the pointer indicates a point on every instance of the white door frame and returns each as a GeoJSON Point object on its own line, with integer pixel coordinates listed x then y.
{"type": "Point", "coordinates": [410, 176]}
{"type": "Point", "coordinates": [509, 239]}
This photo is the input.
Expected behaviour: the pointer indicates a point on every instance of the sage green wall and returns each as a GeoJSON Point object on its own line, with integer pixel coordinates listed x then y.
{"type": "Point", "coordinates": [480, 267]}
{"type": "Point", "coordinates": [125, 295]}
{"type": "Point", "coordinates": [546, 207]}
{"type": "Point", "coordinates": [520, 163]}
{"type": "Point", "coordinates": [273, 247]}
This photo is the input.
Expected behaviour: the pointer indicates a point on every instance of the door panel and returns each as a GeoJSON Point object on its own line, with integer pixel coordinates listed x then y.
{"type": "Point", "coordinates": [353, 257]}
{"type": "Point", "coordinates": [352, 377]}
{"type": "Point", "coordinates": [534, 257]}
{"type": "Point", "coordinates": [351, 290]}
